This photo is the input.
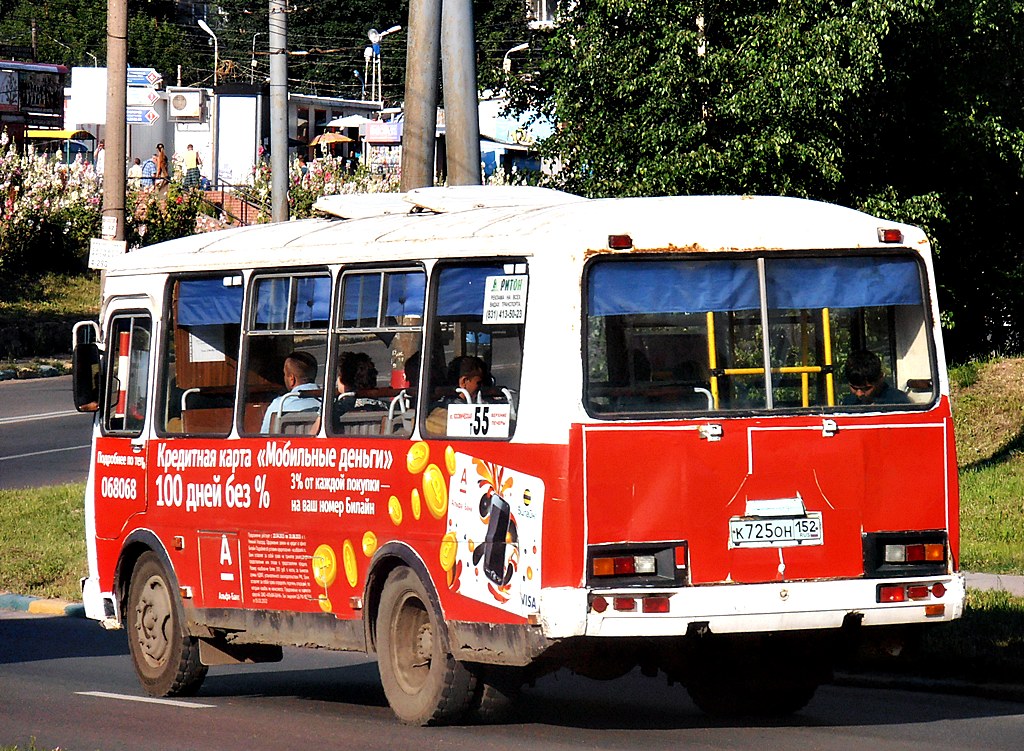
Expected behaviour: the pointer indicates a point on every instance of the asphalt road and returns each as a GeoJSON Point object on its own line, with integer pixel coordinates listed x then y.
{"type": "Point", "coordinates": [65, 682]}
{"type": "Point", "coordinates": [43, 440]}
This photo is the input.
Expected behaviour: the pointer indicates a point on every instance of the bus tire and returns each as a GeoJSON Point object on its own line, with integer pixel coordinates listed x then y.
{"type": "Point", "coordinates": [423, 683]}
{"type": "Point", "coordinates": [166, 658]}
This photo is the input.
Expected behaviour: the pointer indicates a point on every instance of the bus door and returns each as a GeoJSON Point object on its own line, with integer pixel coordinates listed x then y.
{"type": "Point", "coordinates": [120, 461]}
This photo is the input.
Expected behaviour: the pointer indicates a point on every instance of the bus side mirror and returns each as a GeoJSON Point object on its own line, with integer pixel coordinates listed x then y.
{"type": "Point", "coordinates": [85, 377]}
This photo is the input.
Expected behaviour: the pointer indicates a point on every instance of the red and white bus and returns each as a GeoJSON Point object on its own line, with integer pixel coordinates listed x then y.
{"type": "Point", "coordinates": [489, 433]}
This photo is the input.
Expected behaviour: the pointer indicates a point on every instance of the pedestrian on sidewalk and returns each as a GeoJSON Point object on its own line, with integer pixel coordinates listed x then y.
{"type": "Point", "coordinates": [191, 162]}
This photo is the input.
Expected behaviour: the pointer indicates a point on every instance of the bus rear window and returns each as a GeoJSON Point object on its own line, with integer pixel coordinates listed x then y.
{"type": "Point", "coordinates": [714, 335]}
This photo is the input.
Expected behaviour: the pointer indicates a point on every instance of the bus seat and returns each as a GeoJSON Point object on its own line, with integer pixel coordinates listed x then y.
{"type": "Point", "coordinates": [294, 423]}
{"type": "Point", "coordinates": [363, 422]}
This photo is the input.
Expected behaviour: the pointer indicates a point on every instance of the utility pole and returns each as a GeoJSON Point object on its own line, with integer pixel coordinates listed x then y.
{"type": "Point", "coordinates": [117, 93]}
{"type": "Point", "coordinates": [422, 56]}
{"type": "Point", "coordinates": [278, 111]}
{"type": "Point", "coordinates": [462, 110]}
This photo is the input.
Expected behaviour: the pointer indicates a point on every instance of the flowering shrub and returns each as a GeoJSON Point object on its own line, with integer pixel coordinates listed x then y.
{"type": "Point", "coordinates": [152, 216]}
{"type": "Point", "coordinates": [51, 210]}
{"type": "Point", "coordinates": [325, 176]}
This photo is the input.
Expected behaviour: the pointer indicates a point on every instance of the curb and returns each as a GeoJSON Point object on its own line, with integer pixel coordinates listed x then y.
{"type": "Point", "coordinates": [41, 606]}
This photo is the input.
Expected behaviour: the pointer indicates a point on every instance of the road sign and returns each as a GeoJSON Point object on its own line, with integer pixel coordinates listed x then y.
{"type": "Point", "coordinates": [143, 76]}
{"type": "Point", "coordinates": [142, 96]}
{"type": "Point", "coordinates": [141, 116]}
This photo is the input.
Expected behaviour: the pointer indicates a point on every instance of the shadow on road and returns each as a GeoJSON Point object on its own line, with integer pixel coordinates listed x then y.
{"type": "Point", "coordinates": [56, 638]}
{"type": "Point", "coordinates": [561, 700]}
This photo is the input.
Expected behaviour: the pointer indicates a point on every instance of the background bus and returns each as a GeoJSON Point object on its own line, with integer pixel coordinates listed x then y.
{"type": "Point", "coordinates": [487, 434]}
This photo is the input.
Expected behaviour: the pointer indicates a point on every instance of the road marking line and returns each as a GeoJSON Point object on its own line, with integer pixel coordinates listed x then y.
{"type": "Point", "coordinates": [40, 453]}
{"type": "Point", "coordinates": [40, 416]}
{"type": "Point", "coordinates": [147, 700]}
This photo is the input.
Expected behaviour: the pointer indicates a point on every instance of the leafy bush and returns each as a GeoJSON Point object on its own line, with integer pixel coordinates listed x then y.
{"type": "Point", "coordinates": [324, 176]}
{"type": "Point", "coordinates": [50, 210]}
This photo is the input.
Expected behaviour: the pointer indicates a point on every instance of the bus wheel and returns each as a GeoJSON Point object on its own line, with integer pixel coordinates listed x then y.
{"type": "Point", "coordinates": [423, 683]}
{"type": "Point", "coordinates": [165, 657]}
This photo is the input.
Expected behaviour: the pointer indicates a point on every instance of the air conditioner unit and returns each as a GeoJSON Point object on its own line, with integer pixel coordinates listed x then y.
{"type": "Point", "coordinates": [185, 104]}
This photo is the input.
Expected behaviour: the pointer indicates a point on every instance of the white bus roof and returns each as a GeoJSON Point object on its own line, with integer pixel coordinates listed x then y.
{"type": "Point", "coordinates": [456, 222]}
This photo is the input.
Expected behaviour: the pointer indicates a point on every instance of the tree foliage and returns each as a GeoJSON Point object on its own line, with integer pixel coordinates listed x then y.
{"type": "Point", "coordinates": [906, 108]}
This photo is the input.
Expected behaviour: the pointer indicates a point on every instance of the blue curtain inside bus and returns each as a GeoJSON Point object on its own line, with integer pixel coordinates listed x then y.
{"type": "Point", "coordinates": [638, 287]}
{"type": "Point", "coordinates": [811, 283]}
{"type": "Point", "coordinates": [312, 301]}
{"type": "Point", "coordinates": [406, 291]}
{"type": "Point", "coordinates": [460, 291]}
{"type": "Point", "coordinates": [360, 300]}
{"type": "Point", "coordinates": [204, 302]}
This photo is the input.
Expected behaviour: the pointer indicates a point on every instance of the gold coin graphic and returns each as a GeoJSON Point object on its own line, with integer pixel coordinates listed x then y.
{"type": "Point", "coordinates": [325, 603]}
{"type": "Point", "coordinates": [395, 510]}
{"type": "Point", "coordinates": [369, 544]}
{"type": "Point", "coordinates": [415, 502]}
{"type": "Point", "coordinates": [435, 492]}
{"type": "Point", "coordinates": [449, 460]}
{"type": "Point", "coordinates": [325, 566]}
{"type": "Point", "coordinates": [348, 555]}
{"type": "Point", "coordinates": [417, 458]}
{"type": "Point", "coordinates": [449, 549]}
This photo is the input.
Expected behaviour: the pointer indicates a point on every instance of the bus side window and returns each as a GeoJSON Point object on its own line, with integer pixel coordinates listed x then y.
{"type": "Point", "coordinates": [476, 355]}
{"type": "Point", "coordinates": [128, 355]}
{"type": "Point", "coordinates": [377, 339]}
{"type": "Point", "coordinates": [201, 355]}
{"type": "Point", "coordinates": [286, 328]}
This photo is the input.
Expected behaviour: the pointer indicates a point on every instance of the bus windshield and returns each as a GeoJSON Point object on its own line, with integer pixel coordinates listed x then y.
{"type": "Point", "coordinates": [733, 334]}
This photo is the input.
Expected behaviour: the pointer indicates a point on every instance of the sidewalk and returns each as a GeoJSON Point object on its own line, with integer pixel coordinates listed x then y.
{"type": "Point", "coordinates": [41, 606]}
{"type": "Point", "coordinates": [1005, 582]}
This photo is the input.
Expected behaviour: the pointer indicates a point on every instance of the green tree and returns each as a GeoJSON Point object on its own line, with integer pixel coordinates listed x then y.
{"type": "Point", "coordinates": [716, 96]}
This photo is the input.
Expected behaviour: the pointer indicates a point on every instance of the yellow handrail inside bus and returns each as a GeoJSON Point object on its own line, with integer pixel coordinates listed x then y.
{"type": "Point", "coordinates": [803, 370]}
{"type": "Point", "coordinates": [712, 359]}
{"type": "Point", "coordinates": [826, 331]}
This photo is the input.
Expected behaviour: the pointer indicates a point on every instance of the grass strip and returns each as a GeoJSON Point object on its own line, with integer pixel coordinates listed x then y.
{"type": "Point", "coordinates": [42, 541]}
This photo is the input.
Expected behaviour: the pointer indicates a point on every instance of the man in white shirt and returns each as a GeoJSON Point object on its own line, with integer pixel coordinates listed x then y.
{"type": "Point", "coordinates": [299, 376]}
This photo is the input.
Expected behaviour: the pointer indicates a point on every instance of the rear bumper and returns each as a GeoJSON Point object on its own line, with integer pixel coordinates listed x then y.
{"type": "Point", "coordinates": [756, 608]}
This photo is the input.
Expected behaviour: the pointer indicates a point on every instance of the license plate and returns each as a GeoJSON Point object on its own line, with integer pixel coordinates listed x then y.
{"type": "Point", "coordinates": [777, 532]}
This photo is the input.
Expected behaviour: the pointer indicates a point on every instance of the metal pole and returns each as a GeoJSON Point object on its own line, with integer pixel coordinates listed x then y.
{"type": "Point", "coordinates": [462, 113]}
{"type": "Point", "coordinates": [117, 94]}
{"type": "Point", "coordinates": [423, 52]}
{"type": "Point", "coordinates": [278, 111]}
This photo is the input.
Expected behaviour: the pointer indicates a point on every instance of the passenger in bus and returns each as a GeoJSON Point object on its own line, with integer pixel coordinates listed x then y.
{"type": "Point", "coordinates": [299, 376]}
{"type": "Point", "coordinates": [356, 373]}
{"type": "Point", "coordinates": [863, 371]}
{"type": "Point", "coordinates": [466, 375]}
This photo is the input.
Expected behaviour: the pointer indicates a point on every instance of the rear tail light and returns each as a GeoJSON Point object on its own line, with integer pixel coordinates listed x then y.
{"type": "Point", "coordinates": [625, 604]}
{"type": "Point", "coordinates": [655, 604]}
{"type": "Point", "coordinates": [915, 553]}
{"type": "Point", "coordinates": [910, 592]}
{"type": "Point", "coordinates": [624, 565]}
{"type": "Point", "coordinates": [892, 594]}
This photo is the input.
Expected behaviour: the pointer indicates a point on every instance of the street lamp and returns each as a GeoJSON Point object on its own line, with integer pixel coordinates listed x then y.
{"type": "Point", "coordinates": [216, 55]}
{"type": "Point", "coordinates": [375, 38]}
{"type": "Point", "coordinates": [506, 62]}
{"type": "Point", "coordinates": [252, 64]}
{"type": "Point", "coordinates": [362, 83]}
